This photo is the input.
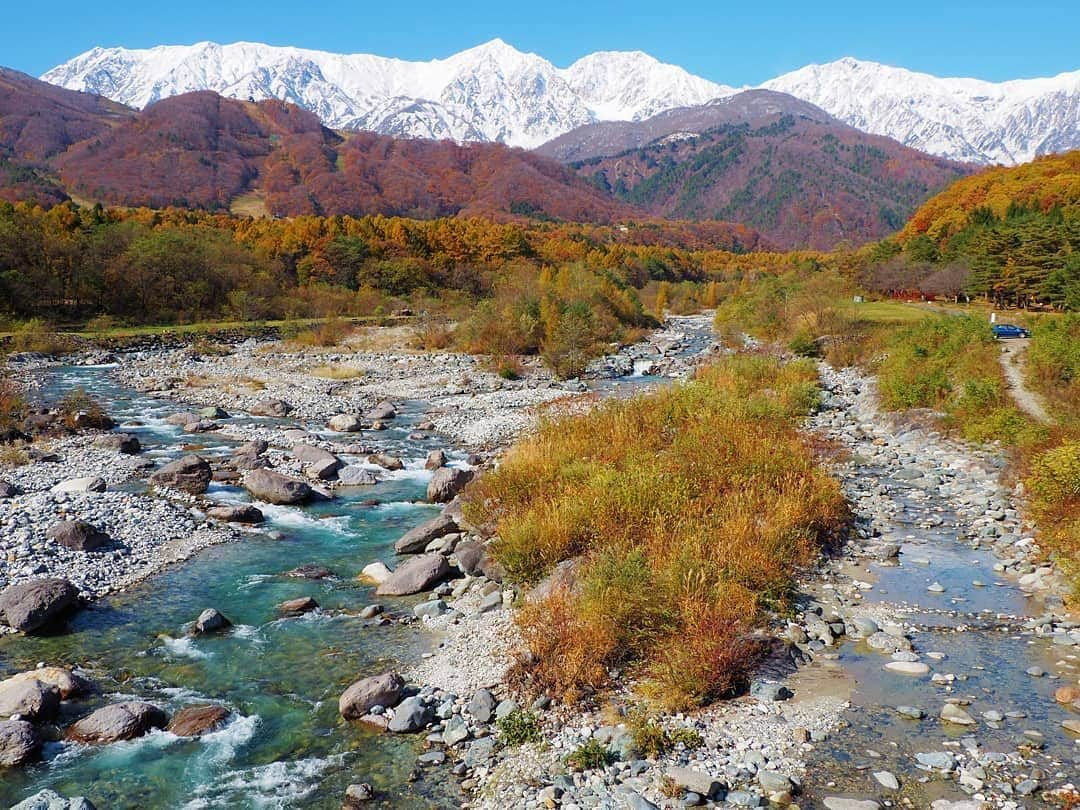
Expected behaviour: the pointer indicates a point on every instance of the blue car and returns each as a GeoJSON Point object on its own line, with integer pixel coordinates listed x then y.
{"type": "Point", "coordinates": [1008, 330]}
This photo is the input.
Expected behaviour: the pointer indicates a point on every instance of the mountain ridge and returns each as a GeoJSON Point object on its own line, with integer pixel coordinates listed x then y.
{"type": "Point", "coordinates": [494, 92]}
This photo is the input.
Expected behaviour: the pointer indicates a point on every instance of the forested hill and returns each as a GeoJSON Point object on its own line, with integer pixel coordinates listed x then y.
{"type": "Point", "coordinates": [1009, 234]}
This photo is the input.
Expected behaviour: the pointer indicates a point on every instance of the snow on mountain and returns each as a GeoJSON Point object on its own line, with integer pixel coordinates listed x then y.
{"type": "Point", "coordinates": [492, 92]}
{"type": "Point", "coordinates": [963, 119]}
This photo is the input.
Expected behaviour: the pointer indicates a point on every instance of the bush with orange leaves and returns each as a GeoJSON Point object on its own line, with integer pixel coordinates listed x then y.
{"type": "Point", "coordinates": [690, 509]}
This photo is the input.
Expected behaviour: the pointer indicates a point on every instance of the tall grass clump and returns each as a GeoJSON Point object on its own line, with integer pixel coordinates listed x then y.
{"type": "Point", "coordinates": [1054, 365]}
{"type": "Point", "coordinates": [40, 337]}
{"type": "Point", "coordinates": [950, 364]}
{"type": "Point", "coordinates": [686, 512]}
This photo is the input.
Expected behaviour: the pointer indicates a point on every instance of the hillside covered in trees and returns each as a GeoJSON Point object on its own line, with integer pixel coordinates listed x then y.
{"type": "Point", "coordinates": [783, 167]}
{"type": "Point", "coordinates": [1010, 235]}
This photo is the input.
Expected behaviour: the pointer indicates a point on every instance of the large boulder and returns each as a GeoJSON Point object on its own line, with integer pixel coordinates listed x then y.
{"type": "Point", "coordinates": [8, 490]}
{"type": "Point", "coordinates": [51, 800]}
{"type": "Point", "coordinates": [376, 573]}
{"type": "Point", "coordinates": [236, 513]}
{"type": "Point", "coordinates": [381, 412]}
{"type": "Point", "coordinates": [271, 407]}
{"type": "Point", "coordinates": [188, 474]}
{"type": "Point", "coordinates": [210, 620]}
{"type": "Point", "coordinates": [326, 470]}
{"type": "Point", "coordinates": [249, 456]}
{"type": "Point", "coordinates": [74, 486]}
{"type": "Point", "coordinates": [310, 454]}
{"type": "Point", "coordinates": [19, 743]}
{"type": "Point", "coordinates": [78, 535]}
{"type": "Point", "coordinates": [196, 720]}
{"type": "Point", "coordinates": [120, 442]}
{"type": "Point", "coordinates": [416, 540]}
{"type": "Point", "coordinates": [182, 418]}
{"type": "Point", "coordinates": [434, 460]}
{"type": "Point", "coordinates": [354, 476]}
{"type": "Point", "coordinates": [387, 462]}
{"type": "Point", "coordinates": [295, 607]}
{"type": "Point", "coordinates": [120, 721]}
{"type": "Point", "coordinates": [67, 682]}
{"type": "Point", "coordinates": [410, 716]}
{"type": "Point", "coordinates": [469, 557]}
{"type": "Point", "coordinates": [416, 575]}
{"type": "Point", "coordinates": [37, 604]}
{"type": "Point", "coordinates": [379, 690]}
{"type": "Point", "coordinates": [446, 482]}
{"type": "Point", "coordinates": [31, 700]}
{"type": "Point", "coordinates": [345, 423]}
{"type": "Point", "coordinates": [276, 488]}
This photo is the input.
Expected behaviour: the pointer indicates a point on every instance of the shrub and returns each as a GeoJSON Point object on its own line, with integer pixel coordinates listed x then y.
{"type": "Point", "coordinates": [329, 333]}
{"type": "Point", "coordinates": [689, 509]}
{"type": "Point", "coordinates": [519, 727]}
{"type": "Point", "coordinates": [434, 335]}
{"type": "Point", "coordinates": [337, 372]}
{"type": "Point", "coordinates": [804, 345]}
{"type": "Point", "coordinates": [101, 323]}
{"type": "Point", "coordinates": [590, 756]}
{"type": "Point", "coordinates": [40, 337]}
{"type": "Point", "coordinates": [13, 407]}
{"type": "Point", "coordinates": [79, 410]}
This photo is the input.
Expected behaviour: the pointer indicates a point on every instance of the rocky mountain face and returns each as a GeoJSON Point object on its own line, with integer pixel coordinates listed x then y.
{"type": "Point", "coordinates": [962, 119]}
{"type": "Point", "coordinates": [492, 92]}
{"type": "Point", "coordinates": [782, 166]}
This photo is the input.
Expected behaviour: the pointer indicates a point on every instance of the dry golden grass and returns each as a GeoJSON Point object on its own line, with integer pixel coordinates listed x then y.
{"type": "Point", "coordinates": [337, 372]}
{"type": "Point", "coordinates": [691, 509]}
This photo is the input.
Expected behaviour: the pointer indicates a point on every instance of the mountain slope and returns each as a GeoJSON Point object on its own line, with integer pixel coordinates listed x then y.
{"type": "Point", "coordinates": [611, 137]}
{"type": "Point", "coordinates": [38, 121]}
{"type": "Point", "coordinates": [488, 93]}
{"type": "Point", "coordinates": [795, 174]}
{"type": "Point", "coordinates": [205, 151]}
{"type": "Point", "coordinates": [963, 119]}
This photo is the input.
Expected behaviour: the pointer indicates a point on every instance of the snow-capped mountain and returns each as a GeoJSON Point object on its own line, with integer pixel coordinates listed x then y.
{"type": "Point", "coordinates": [492, 92]}
{"type": "Point", "coordinates": [963, 119]}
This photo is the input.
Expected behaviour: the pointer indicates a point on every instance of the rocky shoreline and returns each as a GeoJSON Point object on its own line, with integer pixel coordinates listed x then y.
{"type": "Point", "coordinates": [743, 752]}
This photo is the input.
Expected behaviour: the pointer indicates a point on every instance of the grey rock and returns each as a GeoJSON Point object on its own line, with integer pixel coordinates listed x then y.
{"type": "Point", "coordinates": [379, 690]}
{"type": "Point", "coordinates": [415, 575]}
{"type": "Point", "coordinates": [345, 423]}
{"type": "Point", "coordinates": [842, 803]}
{"type": "Point", "coordinates": [120, 442]}
{"type": "Point", "coordinates": [887, 780]}
{"type": "Point", "coordinates": [455, 731]}
{"type": "Point", "coordinates": [31, 700]}
{"type": "Point", "coordinates": [120, 721]}
{"type": "Point", "coordinates": [188, 474]}
{"type": "Point", "coordinates": [435, 459]}
{"type": "Point", "coordinates": [353, 476]}
{"type": "Point", "coordinates": [432, 608]}
{"type": "Point", "coordinates": [275, 488]}
{"type": "Point", "coordinates": [774, 781]}
{"type": "Point", "coordinates": [417, 539]}
{"type": "Point", "coordinates": [939, 760]}
{"type": "Point", "coordinates": [482, 705]}
{"type": "Point", "coordinates": [506, 708]}
{"type": "Point", "coordinates": [696, 781]}
{"type": "Point", "coordinates": [236, 513]}
{"type": "Point", "coordinates": [78, 535]}
{"type": "Point", "coordinates": [480, 752]}
{"type": "Point", "coordinates": [326, 470]}
{"type": "Point", "coordinates": [19, 743]}
{"type": "Point", "coordinates": [446, 482]}
{"type": "Point", "coordinates": [90, 483]}
{"type": "Point", "coordinates": [387, 462]}
{"type": "Point", "coordinates": [410, 716]}
{"type": "Point", "coordinates": [743, 798]}
{"type": "Point", "coordinates": [271, 407]}
{"type": "Point", "coordinates": [381, 412]}
{"type": "Point", "coordinates": [356, 795]}
{"type": "Point", "coordinates": [769, 692]}
{"type": "Point", "coordinates": [37, 604]}
{"type": "Point", "coordinates": [51, 800]}
{"type": "Point", "coordinates": [210, 620]}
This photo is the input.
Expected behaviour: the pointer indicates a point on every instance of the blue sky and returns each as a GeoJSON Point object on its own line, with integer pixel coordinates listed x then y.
{"type": "Point", "coordinates": [737, 44]}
